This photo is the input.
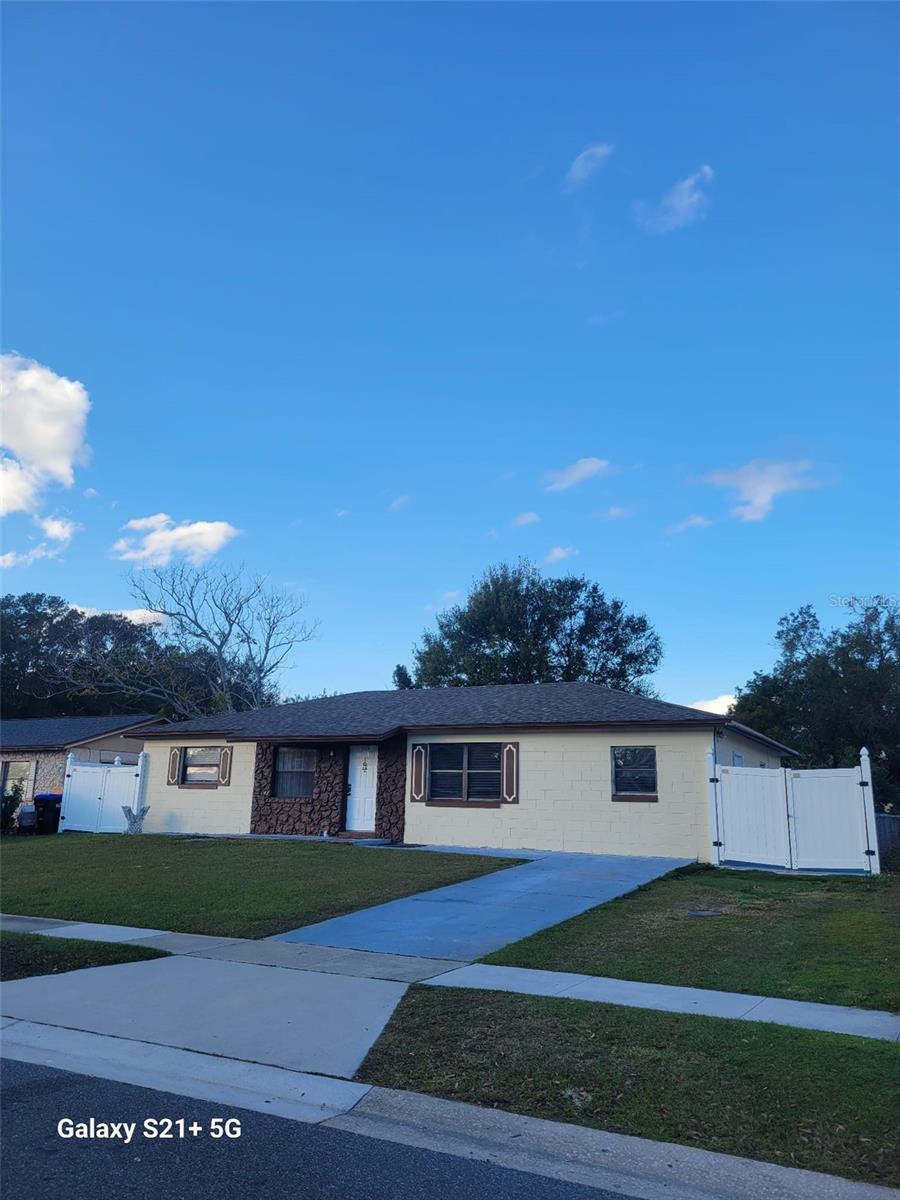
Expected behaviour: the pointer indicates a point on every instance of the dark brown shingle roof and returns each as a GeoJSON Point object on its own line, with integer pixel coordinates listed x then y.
{"type": "Point", "coordinates": [55, 733]}
{"type": "Point", "coordinates": [365, 715]}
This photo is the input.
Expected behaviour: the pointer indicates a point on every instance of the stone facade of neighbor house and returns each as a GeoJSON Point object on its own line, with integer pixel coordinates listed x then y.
{"type": "Point", "coordinates": [46, 771]}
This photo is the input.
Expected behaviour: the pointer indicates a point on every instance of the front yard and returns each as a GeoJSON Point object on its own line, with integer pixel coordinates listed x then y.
{"type": "Point", "coordinates": [830, 939]}
{"type": "Point", "coordinates": [204, 885]}
{"type": "Point", "coordinates": [795, 1097]}
{"type": "Point", "coordinates": [23, 955]}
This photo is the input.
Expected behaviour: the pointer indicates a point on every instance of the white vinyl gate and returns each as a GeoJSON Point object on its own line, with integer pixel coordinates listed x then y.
{"type": "Point", "coordinates": [95, 793]}
{"type": "Point", "coordinates": [801, 820]}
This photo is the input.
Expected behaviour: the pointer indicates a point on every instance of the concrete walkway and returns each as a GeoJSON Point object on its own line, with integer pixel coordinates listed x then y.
{"type": "Point", "coordinates": [468, 920]}
{"type": "Point", "coordinates": [360, 1007]}
{"type": "Point", "coordinates": [800, 1014]}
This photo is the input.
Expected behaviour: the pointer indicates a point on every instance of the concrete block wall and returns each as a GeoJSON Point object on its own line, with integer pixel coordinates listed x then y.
{"type": "Point", "coordinates": [565, 798]}
{"type": "Point", "coordinates": [175, 809]}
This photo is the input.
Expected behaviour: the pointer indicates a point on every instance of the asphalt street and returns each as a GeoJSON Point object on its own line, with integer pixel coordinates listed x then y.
{"type": "Point", "coordinates": [271, 1157]}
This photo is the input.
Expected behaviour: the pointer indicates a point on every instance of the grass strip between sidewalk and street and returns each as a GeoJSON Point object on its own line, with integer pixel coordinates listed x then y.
{"type": "Point", "coordinates": [226, 888]}
{"type": "Point", "coordinates": [800, 1098]}
{"type": "Point", "coordinates": [23, 955]}
{"type": "Point", "coordinates": [830, 939]}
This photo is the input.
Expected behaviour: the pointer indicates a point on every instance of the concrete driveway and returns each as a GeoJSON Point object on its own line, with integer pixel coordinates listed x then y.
{"type": "Point", "coordinates": [467, 920]}
{"type": "Point", "coordinates": [301, 1020]}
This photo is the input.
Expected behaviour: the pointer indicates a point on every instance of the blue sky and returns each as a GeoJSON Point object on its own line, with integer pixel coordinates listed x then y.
{"type": "Point", "coordinates": [404, 263]}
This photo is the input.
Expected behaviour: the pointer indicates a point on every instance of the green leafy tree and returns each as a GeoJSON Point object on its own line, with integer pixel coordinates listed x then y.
{"type": "Point", "coordinates": [832, 692]}
{"type": "Point", "coordinates": [518, 627]}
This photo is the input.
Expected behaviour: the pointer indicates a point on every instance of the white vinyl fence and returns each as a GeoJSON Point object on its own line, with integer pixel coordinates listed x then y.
{"type": "Point", "coordinates": [94, 795]}
{"type": "Point", "coordinates": [801, 820]}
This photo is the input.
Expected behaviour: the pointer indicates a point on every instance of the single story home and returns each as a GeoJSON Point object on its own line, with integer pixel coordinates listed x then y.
{"type": "Point", "coordinates": [555, 766]}
{"type": "Point", "coordinates": [33, 750]}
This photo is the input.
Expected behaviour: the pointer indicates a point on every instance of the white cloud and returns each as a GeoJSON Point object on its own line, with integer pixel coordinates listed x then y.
{"type": "Point", "coordinates": [558, 553]}
{"type": "Point", "coordinates": [614, 513]}
{"type": "Point", "coordinates": [598, 319]}
{"type": "Point", "coordinates": [58, 531]}
{"type": "Point", "coordinates": [90, 493]}
{"type": "Point", "coordinates": [685, 203]}
{"type": "Point", "coordinates": [342, 512]}
{"type": "Point", "coordinates": [13, 559]}
{"type": "Point", "coordinates": [163, 539]}
{"type": "Point", "coordinates": [525, 518]}
{"type": "Point", "coordinates": [398, 503]}
{"type": "Point", "coordinates": [137, 616]}
{"type": "Point", "coordinates": [720, 704]}
{"type": "Point", "coordinates": [694, 521]}
{"type": "Point", "coordinates": [43, 431]}
{"type": "Point", "coordinates": [757, 484]}
{"type": "Point", "coordinates": [587, 163]}
{"type": "Point", "coordinates": [577, 472]}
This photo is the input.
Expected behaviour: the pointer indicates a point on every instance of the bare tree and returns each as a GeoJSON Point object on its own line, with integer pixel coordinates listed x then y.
{"type": "Point", "coordinates": [217, 643]}
{"type": "Point", "coordinates": [247, 628]}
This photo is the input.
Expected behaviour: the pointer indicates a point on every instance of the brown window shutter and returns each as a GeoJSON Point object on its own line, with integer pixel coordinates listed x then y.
{"type": "Point", "coordinates": [419, 786]}
{"type": "Point", "coordinates": [174, 773]}
{"type": "Point", "coordinates": [509, 772]}
{"type": "Point", "coordinates": [225, 766]}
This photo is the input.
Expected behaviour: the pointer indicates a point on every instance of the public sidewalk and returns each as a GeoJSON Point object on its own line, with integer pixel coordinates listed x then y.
{"type": "Point", "coordinates": [323, 962]}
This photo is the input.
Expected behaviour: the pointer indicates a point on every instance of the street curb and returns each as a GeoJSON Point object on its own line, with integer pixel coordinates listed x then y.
{"type": "Point", "coordinates": [294, 1095]}
{"type": "Point", "coordinates": [632, 1166]}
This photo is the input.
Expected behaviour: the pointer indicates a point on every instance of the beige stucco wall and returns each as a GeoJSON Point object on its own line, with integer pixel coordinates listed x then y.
{"type": "Point", "coordinates": [128, 747]}
{"type": "Point", "coordinates": [755, 753]}
{"type": "Point", "coordinates": [198, 810]}
{"type": "Point", "coordinates": [565, 788]}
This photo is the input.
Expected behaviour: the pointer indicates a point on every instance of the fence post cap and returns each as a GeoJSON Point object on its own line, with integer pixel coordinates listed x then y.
{"type": "Point", "coordinates": [864, 753]}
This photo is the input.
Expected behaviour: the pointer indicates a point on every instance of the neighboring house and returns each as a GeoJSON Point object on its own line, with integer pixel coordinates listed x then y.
{"type": "Point", "coordinates": [33, 750]}
{"type": "Point", "coordinates": [557, 766]}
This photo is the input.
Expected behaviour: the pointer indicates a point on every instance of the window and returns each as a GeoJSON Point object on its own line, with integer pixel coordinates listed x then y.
{"type": "Point", "coordinates": [634, 770]}
{"type": "Point", "coordinates": [463, 773]}
{"type": "Point", "coordinates": [200, 764]}
{"type": "Point", "coordinates": [737, 760]}
{"type": "Point", "coordinates": [15, 773]}
{"type": "Point", "coordinates": [295, 772]}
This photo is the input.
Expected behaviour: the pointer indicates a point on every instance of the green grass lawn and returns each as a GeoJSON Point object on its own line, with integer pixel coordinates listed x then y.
{"type": "Point", "coordinates": [790, 1096]}
{"type": "Point", "coordinates": [232, 888]}
{"type": "Point", "coordinates": [831, 939]}
{"type": "Point", "coordinates": [25, 954]}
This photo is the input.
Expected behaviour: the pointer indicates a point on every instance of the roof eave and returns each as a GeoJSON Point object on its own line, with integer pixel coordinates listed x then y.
{"type": "Point", "coordinates": [119, 731]}
{"type": "Point", "coordinates": [384, 734]}
{"type": "Point", "coordinates": [747, 732]}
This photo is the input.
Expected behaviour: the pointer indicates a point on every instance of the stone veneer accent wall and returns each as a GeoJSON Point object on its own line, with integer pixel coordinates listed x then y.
{"type": "Point", "coordinates": [324, 810]}
{"type": "Point", "coordinates": [47, 770]}
{"type": "Point", "coordinates": [390, 797]}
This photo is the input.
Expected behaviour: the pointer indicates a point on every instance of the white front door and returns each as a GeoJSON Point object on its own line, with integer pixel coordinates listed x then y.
{"type": "Point", "coordinates": [362, 778]}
